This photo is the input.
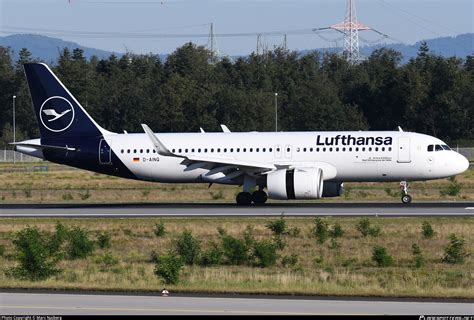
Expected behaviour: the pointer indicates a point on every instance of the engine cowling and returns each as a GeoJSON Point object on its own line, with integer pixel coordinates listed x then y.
{"type": "Point", "coordinates": [299, 183]}
{"type": "Point", "coordinates": [333, 189]}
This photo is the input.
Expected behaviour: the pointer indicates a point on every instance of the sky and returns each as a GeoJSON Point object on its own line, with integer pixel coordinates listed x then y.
{"type": "Point", "coordinates": [144, 26]}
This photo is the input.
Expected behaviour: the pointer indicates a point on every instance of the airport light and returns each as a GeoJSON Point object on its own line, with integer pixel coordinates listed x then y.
{"type": "Point", "coordinates": [14, 129]}
{"type": "Point", "coordinates": [276, 111]}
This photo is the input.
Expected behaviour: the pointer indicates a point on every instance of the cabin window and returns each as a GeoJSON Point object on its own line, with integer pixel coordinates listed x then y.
{"type": "Point", "coordinates": [270, 150]}
{"type": "Point", "coordinates": [173, 150]}
{"type": "Point", "coordinates": [324, 149]}
{"type": "Point", "coordinates": [134, 150]}
{"type": "Point", "coordinates": [278, 149]}
{"type": "Point", "coordinates": [370, 148]}
{"type": "Point", "coordinates": [251, 150]}
{"type": "Point", "coordinates": [350, 149]}
{"type": "Point", "coordinates": [225, 149]}
{"type": "Point", "coordinates": [344, 149]}
{"type": "Point", "coordinates": [238, 149]}
{"type": "Point", "coordinates": [288, 149]}
{"type": "Point", "coordinates": [257, 150]}
{"type": "Point", "coordinates": [337, 149]}
{"type": "Point", "coordinates": [121, 151]}
{"type": "Point", "coordinates": [186, 150]}
{"type": "Point", "coordinates": [357, 149]}
{"type": "Point", "coordinates": [205, 150]}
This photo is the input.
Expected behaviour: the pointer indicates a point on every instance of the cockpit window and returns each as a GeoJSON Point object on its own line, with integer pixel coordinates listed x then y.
{"type": "Point", "coordinates": [430, 148]}
{"type": "Point", "coordinates": [439, 148]}
{"type": "Point", "coordinates": [445, 147]}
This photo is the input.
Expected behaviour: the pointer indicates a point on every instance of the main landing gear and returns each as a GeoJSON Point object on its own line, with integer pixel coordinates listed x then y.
{"type": "Point", "coordinates": [246, 198]}
{"type": "Point", "coordinates": [406, 198]}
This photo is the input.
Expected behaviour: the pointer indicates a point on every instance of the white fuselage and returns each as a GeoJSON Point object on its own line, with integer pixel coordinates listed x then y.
{"type": "Point", "coordinates": [360, 156]}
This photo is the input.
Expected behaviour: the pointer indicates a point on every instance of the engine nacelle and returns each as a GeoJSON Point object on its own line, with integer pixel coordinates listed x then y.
{"type": "Point", "coordinates": [333, 189]}
{"type": "Point", "coordinates": [299, 183]}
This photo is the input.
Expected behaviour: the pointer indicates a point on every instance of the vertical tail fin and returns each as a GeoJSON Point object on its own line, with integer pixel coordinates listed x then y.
{"type": "Point", "coordinates": [59, 114]}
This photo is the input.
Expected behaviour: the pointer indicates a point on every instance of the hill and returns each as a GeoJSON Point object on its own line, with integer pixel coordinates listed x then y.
{"type": "Point", "coordinates": [47, 48]}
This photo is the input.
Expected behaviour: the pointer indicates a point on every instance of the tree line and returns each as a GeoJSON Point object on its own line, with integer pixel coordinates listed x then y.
{"type": "Point", "coordinates": [316, 91]}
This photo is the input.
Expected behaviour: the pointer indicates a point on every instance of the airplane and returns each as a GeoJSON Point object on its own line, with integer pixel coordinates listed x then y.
{"type": "Point", "coordinates": [289, 165]}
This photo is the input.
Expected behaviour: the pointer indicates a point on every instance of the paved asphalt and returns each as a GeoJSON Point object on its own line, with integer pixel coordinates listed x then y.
{"type": "Point", "coordinates": [272, 209]}
{"type": "Point", "coordinates": [83, 304]}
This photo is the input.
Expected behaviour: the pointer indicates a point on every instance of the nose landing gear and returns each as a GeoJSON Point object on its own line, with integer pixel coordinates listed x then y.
{"type": "Point", "coordinates": [406, 198]}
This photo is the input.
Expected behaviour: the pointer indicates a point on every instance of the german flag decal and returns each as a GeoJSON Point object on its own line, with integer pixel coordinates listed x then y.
{"type": "Point", "coordinates": [136, 159]}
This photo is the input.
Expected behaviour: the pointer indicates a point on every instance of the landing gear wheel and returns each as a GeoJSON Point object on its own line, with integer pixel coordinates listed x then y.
{"type": "Point", "coordinates": [406, 199]}
{"type": "Point", "coordinates": [259, 197]}
{"type": "Point", "coordinates": [244, 199]}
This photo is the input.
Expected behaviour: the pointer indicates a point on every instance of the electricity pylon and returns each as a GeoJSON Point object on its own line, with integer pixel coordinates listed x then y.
{"type": "Point", "coordinates": [350, 28]}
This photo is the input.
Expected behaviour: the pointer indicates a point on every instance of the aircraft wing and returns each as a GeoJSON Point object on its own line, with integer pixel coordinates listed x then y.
{"type": "Point", "coordinates": [223, 168]}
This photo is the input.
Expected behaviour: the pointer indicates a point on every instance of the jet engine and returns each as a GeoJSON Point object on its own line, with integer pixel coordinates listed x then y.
{"type": "Point", "coordinates": [298, 183]}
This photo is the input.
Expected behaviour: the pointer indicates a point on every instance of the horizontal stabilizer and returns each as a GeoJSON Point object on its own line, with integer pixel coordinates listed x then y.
{"type": "Point", "coordinates": [41, 146]}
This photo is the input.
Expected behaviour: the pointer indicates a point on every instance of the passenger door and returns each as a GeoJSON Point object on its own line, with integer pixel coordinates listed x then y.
{"type": "Point", "coordinates": [105, 152]}
{"type": "Point", "coordinates": [404, 150]}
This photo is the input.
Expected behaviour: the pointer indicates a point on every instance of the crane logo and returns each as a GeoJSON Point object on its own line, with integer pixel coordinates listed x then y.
{"type": "Point", "coordinates": [56, 114]}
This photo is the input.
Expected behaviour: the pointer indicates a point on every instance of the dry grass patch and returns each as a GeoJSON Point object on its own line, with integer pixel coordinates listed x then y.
{"type": "Point", "coordinates": [321, 269]}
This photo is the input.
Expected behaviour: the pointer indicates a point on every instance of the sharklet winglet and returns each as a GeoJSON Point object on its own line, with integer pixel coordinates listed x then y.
{"type": "Point", "coordinates": [160, 147]}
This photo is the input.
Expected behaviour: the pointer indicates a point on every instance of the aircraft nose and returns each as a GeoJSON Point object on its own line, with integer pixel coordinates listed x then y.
{"type": "Point", "coordinates": [462, 163]}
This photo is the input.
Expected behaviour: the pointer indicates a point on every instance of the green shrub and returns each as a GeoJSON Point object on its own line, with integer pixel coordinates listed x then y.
{"type": "Point", "coordinates": [217, 196]}
{"type": "Point", "coordinates": [27, 192]}
{"type": "Point", "coordinates": [107, 260]}
{"type": "Point", "coordinates": [235, 250]}
{"type": "Point", "coordinates": [85, 196]}
{"type": "Point", "coordinates": [188, 247]}
{"type": "Point", "coordinates": [364, 227]}
{"type": "Point", "coordinates": [103, 240]}
{"type": "Point", "coordinates": [381, 257]}
{"type": "Point", "coordinates": [454, 253]}
{"type": "Point", "coordinates": [320, 230]}
{"type": "Point", "coordinates": [2, 250]}
{"type": "Point", "coordinates": [453, 189]}
{"type": "Point", "coordinates": [32, 250]}
{"type": "Point", "coordinates": [374, 231]}
{"type": "Point", "coordinates": [57, 239]}
{"type": "Point", "coordinates": [168, 267]}
{"type": "Point", "coordinates": [278, 227]}
{"type": "Point", "coordinates": [427, 230]}
{"type": "Point", "coordinates": [336, 231]}
{"type": "Point", "coordinates": [417, 255]}
{"type": "Point", "coordinates": [334, 244]}
{"type": "Point", "coordinates": [294, 232]}
{"type": "Point", "coordinates": [265, 253]}
{"type": "Point", "coordinates": [79, 245]}
{"type": "Point", "coordinates": [67, 197]}
{"type": "Point", "coordinates": [289, 261]}
{"type": "Point", "coordinates": [159, 229]}
{"type": "Point", "coordinates": [212, 257]}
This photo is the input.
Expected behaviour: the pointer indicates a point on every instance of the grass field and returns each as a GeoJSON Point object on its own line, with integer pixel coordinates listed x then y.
{"type": "Point", "coordinates": [321, 269]}
{"type": "Point", "coordinates": [51, 183]}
